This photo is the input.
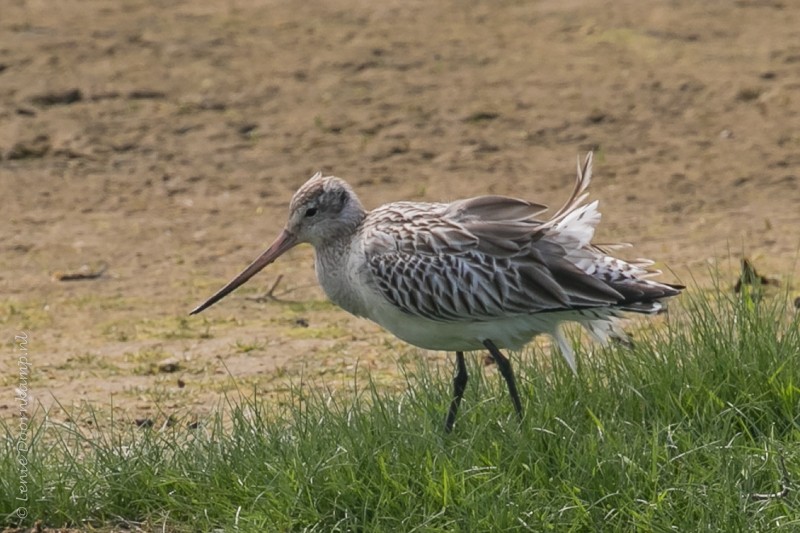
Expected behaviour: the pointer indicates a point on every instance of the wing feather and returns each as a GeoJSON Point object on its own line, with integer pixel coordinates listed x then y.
{"type": "Point", "coordinates": [497, 208]}
{"type": "Point", "coordinates": [471, 287]}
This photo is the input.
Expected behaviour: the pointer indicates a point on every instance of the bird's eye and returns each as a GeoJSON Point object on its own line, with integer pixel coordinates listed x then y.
{"type": "Point", "coordinates": [311, 211]}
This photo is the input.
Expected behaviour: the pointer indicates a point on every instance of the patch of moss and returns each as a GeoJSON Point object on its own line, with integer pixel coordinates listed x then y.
{"type": "Point", "coordinates": [324, 332]}
{"type": "Point", "coordinates": [27, 315]}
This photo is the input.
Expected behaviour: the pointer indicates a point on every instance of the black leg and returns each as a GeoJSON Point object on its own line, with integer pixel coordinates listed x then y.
{"type": "Point", "coordinates": [505, 369]}
{"type": "Point", "coordinates": [459, 384]}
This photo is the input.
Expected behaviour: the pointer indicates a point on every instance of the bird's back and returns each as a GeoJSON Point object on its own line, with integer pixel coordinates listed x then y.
{"type": "Point", "coordinates": [490, 257]}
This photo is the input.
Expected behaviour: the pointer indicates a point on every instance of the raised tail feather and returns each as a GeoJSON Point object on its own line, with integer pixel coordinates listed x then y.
{"type": "Point", "coordinates": [573, 227]}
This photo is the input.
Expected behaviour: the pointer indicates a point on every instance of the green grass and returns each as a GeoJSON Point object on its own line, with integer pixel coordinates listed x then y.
{"type": "Point", "coordinates": [675, 434]}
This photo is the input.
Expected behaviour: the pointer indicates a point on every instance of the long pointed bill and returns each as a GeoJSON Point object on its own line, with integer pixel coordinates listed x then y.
{"type": "Point", "coordinates": [284, 241]}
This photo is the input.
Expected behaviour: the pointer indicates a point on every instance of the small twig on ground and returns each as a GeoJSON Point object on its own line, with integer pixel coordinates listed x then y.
{"type": "Point", "coordinates": [785, 483]}
{"type": "Point", "coordinates": [270, 294]}
{"type": "Point", "coordinates": [83, 273]}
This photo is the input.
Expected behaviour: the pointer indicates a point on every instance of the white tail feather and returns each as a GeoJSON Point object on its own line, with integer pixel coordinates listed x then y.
{"type": "Point", "coordinates": [565, 348]}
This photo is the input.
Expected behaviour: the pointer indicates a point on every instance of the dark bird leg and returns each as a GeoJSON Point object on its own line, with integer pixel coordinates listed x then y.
{"type": "Point", "coordinates": [459, 384]}
{"type": "Point", "coordinates": [504, 366]}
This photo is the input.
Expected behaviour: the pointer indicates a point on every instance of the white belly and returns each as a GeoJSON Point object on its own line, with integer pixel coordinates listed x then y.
{"type": "Point", "coordinates": [512, 333]}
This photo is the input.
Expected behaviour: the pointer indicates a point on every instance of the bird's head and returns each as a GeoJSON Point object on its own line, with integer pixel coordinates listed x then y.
{"type": "Point", "coordinates": [322, 210]}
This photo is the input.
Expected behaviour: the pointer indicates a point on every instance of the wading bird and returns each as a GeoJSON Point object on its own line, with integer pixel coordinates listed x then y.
{"type": "Point", "coordinates": [472, 274]}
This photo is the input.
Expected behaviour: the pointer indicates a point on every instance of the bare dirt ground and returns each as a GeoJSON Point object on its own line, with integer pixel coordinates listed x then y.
{"type": "Point", "coordinates": [163, 140]}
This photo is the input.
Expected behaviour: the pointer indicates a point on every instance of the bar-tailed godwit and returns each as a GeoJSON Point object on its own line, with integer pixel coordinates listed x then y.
{"type": "Point", "coordinates": [472, 274]}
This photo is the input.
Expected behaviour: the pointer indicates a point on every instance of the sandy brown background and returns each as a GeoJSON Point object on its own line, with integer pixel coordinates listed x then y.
{"type": "Point", "coordinates": [164, 140]}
